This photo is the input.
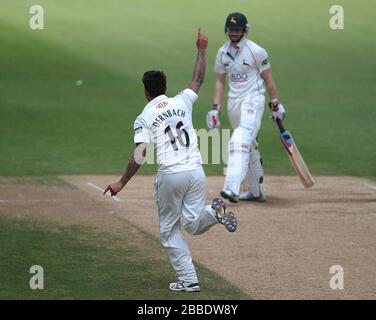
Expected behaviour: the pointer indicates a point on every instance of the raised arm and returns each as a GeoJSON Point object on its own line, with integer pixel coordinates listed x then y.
{"type": "Point", "coordinates": [199, 69]}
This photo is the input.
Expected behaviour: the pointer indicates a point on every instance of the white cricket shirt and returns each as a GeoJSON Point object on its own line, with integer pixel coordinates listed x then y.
{"type": "Point", "coordinates": [244, 70]}
{"type": "Point", "coordinates": [167, 123]}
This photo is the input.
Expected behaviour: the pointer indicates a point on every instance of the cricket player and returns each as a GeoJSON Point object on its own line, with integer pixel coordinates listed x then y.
{"type": "Point", "coordinates": [180, 180]}
{"type": "Point", "coordinates": [247, 67]}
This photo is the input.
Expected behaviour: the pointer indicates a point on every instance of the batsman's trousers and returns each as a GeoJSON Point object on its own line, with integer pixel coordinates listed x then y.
{"type": "Point", "coordinates": [245, 116]}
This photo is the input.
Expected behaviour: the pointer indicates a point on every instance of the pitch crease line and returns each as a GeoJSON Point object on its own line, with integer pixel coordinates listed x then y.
{"type": "Point", "coordinates": [99, 188]}
{"type": "Point", "coordinates": [370, 186]}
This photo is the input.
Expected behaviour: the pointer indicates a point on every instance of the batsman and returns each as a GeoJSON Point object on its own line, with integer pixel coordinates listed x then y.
{"type": "Point", "coordinates": [249, 75]}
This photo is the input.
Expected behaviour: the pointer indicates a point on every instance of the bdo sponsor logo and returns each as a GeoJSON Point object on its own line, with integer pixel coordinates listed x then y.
{"type": "Point", "coordinates": [239, 77]}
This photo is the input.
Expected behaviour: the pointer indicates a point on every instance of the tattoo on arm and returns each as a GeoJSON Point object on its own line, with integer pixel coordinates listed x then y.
{"type": "Point", "coordinates": [198, 71]}
{"type": "Point", "coordinates": [134, 162]}
{"type": "Point", "coordinates": [132, 168]}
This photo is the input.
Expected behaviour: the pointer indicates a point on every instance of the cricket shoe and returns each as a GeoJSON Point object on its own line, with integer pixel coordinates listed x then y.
{"type": "Point", "coordinates": [248, 196]}
{"type": "Point", "coordinates": [184, 286]}
{"type": "Point", "coordinates": [227, 219]}
{"type": "Point", "coordinates": [229, 195]}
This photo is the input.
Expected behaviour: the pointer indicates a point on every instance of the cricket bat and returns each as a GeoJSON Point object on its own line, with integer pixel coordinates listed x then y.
{"type": "Point", "coordinates": [295, 157]}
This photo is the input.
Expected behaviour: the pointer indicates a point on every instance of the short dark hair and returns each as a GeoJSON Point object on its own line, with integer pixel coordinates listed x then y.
{"type": "Point", "coordinates": [155, 82]}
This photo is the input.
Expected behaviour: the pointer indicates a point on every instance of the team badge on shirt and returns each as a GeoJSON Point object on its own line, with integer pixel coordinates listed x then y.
{"type": "Point", "coordinates": [138, 130]}
{"type": "Point", "coordinates": [264, 62]}
{"type": "Point", "coordinates": [162, 104]}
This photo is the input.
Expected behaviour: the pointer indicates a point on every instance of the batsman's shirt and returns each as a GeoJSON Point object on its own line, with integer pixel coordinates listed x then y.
{"type": "Point", "coordinates": [167, 123]}
{"type": "Point", "coordinates": [244, 68]}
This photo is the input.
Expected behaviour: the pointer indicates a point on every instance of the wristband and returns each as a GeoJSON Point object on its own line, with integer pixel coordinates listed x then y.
{"type": "Point", "coordinates": [217, 106]}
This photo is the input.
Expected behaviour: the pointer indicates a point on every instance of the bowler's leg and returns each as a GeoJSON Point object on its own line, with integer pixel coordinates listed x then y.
{"type": "Point", "coordinates": [170, 190]}
{"type": "Point", "coordinates": [197, 218]}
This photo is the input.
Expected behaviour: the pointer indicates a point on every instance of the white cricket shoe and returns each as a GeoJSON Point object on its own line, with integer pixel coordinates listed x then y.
{"type": "Point", "coordinates": [227, 219]}
{"type": "Point", "coordinates": [248, 196]}
{"type": "Point", "coordinates": [229, 195]}
{"type": "Point", "coordinates": [184, 286]}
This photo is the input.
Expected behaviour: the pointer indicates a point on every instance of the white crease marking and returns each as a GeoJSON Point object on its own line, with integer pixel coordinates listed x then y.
{"type": "Point", "coordinates": [370, 186]}
{"type": "Point", "coordinates": [99, 188]}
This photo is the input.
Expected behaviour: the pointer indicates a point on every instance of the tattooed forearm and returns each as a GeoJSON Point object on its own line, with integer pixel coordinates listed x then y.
{"type": "Point", "coordinates": [199, 69]}
{"type": "Point", "coordinates": [132, 168]}
{"type": "Point", "coordinates": [134, 163]}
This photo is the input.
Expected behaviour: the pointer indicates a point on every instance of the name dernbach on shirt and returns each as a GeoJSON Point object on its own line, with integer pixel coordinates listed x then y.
{"type": "Point", "coordinates": [167, 114]}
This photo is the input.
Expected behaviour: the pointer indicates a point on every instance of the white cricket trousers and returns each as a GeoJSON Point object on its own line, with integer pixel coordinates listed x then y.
{"type": "Point", "coordinates": [180, 199]}
{"type": "Point", "coordinates": [245, 116]}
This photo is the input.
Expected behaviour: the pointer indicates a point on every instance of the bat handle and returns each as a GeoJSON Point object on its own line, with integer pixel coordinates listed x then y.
{"type": "Point", "coordinates": [280, 125]}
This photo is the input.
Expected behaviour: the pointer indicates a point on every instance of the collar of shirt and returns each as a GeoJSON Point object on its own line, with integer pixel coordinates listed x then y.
{"type": "Point", "coordinates": [240, 44]}
{"type": "Point", "coordinates": [156, 100]}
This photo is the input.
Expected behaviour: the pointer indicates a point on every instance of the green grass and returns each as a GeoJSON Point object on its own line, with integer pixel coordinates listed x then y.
{"type": "Point", "coordinates": [50, 126]}
{"type": "Point", "coordinates": [45, 180]}
{"type": "Point", "coordinates": [83, 263]}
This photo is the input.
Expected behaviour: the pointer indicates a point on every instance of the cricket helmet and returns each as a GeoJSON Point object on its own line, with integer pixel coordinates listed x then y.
{"type": "Point", "coordinates": [236, 20]}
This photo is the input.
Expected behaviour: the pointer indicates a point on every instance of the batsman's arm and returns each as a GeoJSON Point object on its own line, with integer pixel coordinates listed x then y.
{"type": "Point", "coordinates": [134, 164]}
{"type": "Point", "coordinates": [212, 117]}
{"type": "Point", "coordinates": [219, 88]}
{"type": "Point", "coordinates": [277, 111]}
{"type": "Point", "coordinates": [199, 68]}
{"type": "Point", "coordinates": [271, 87]}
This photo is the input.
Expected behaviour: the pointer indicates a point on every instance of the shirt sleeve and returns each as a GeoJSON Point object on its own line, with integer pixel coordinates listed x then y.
{"type": "Point", "coordinates": [188, 96]}
{"type": "Point", "coordinates": [141, 131]}
{"type": "Point", "coordinates": [218, 65]}
{"type": "Point", "coordinates": [262, 60]}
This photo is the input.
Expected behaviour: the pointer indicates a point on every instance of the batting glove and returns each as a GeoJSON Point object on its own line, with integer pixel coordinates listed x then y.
{"type": "Point", "coordinates": [212, 118]}
{"type": "Point", "coordinates": [277, 111]}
